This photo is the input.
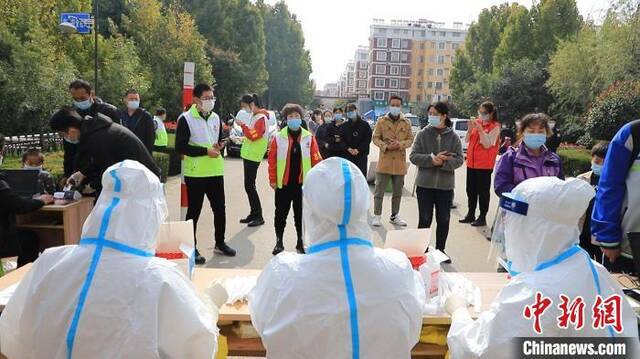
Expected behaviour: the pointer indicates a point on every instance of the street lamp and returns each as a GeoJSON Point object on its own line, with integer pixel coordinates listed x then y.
{"type": "Point", "coordinates": [83, 24]}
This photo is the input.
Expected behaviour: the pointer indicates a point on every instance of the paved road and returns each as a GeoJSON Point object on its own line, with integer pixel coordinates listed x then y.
{"type": "Point", "coordinates": [466, 245]}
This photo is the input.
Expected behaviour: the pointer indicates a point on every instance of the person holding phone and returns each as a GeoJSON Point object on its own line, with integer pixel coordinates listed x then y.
{"type": "Point", "coordinates": [437, 152]}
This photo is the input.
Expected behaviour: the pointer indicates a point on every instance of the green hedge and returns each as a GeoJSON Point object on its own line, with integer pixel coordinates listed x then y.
{"type": "Point", "coordinates": [575, 161]}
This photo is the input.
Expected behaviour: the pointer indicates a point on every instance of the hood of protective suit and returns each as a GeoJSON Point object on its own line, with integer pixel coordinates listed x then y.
{"type": "Point", "coordinates": [551, 223]}
{"type": "Point", "coordinates": [133, 197]}
{"type": "Point", "coordinates": [325, 209]}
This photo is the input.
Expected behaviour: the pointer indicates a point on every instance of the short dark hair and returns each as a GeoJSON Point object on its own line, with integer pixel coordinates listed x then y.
{"type": "Point", "coordinates": [317, 111]}
{"type": "Point", "coordinates": [251, 98]}
{"type": "Point", "coordinates": [130, 92]}
{"type": "Point", "coordinates": [600, 149]}
{"type": "Point", "coordinates": [441, 107]}
{"type": "Point", "coordinates": [351, 107]}
{"type": "Point", "coordinates": [491, 109]}
{"type": "Point", "coordinates": [395, 97]}
{"type": "Point", "coordinates": [80, 84]}
{"type": "Point", "coordinates": [32, 152]}
{"type": "Point", "coordinates": [64, 118]}
{"type": "Point", "coordinates": [161, 111]}
{"type": "Point", "coordinates": [327, 110]}
{"type": "Point", "coordinates": [541, 119]}
{"type": "Point", "coordinates": [338, 109]}
{"type": "Point", "coordinates": [200, 89]}
{"type": "Point", "coordinates": [291, 108]}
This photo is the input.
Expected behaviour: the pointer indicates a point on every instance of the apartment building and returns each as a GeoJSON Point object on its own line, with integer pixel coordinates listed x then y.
{"type": "Point", "coordinates": [361, 72]}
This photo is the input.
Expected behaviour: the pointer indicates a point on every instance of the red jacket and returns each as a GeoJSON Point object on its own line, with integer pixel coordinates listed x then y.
{"type": "Point", "coordinates": [273, 160]}
{"type": "Point", "coordinates": [259, 127]}
{"type": "Point", "coordinates": [478, 156]}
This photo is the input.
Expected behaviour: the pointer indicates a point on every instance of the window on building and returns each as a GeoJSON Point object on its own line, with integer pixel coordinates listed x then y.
{"type": "Point", "coordinates": [405, 70]}
{"type": "Point", "coordinates": [440, 72]}
{"type": "Point", "coordinates": [381, 42]}
{"type": "Point", "coordinates": [382, 56]}
{"type": "Point", "coordinates": [438, 85]}
{"type": "Point", "coordinates": [404, 57]}
{"type": "Point", "coordinates": [379, 83]}
{"type": "Point", "coordinates": [441, 45]}
{"type": "Point", "coordinates": [421, 59]}
{"type": "Point", "coordinates": [363, 56]}
{"type": "Point", "coordinates": [404, 84]}
{"type": "Point", "coordinates": [362, 84]}
{"type": "Point", "coordinates": [422, 46]}
{"type": "Point", "coordinates": [443, 33]}
{"type": "Point", "coordinates": [394, 70]}
{"type": "Point", "coordinates": [405, 44]}
{"type": "Point", "coordinates": [362, 74]}
{"type": "Point", "coordinates": [455, 45]}
{"type": "Point", "coordinates": [429, 85]}
{"type": "Point", "coordinates": [393, 83]}
{"type": "Point", "coordinates": [395, 43]}
{"type": "Point", "coordinates": [433, 45]}
{"type": "Point", "coordinates": [420, 84]}
{"type": "Point", "coordinates": [423, 33]}
{"type": "Point", "coordinates": [406, 32]}
{"type": "Point", "coordinates": [395, 56]}
{"type": "Point", "coordinates": [420, 72]}
{"type": "Point", "coordinates": [393, 94]}
{"type": "Point", "coordinates": [378, 95]}
{"type": "Point", "coordinates": [362, 65]}
{"type": "Point", "coordinates": [440, 60]}
{"type": "Point", "coordinates": [396, 31]}
{"type": "Point", "coordinates": [455, 34]}
{"type": "Point", "coordinates": [433, 33]}
{"type": "Point", "coordinates": [381, 69]}
{"type": "Point", "coordinates": [431, 72]}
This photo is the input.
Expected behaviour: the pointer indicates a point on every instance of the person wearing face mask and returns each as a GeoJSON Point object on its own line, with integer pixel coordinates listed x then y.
{"type": "Point", "coordinates": [335, 139]}
{"type": "Point", "coordinates": [33, 159]}
{"type": "Point", "coordinates": [587, 241]}
{"type": "Point", "coordinates": [483, 139]}
{"type": "Point", "coordinates": [138, 120]}
{"type": "Point", "coordinates": [322, 134]}
{"type": "Point", "coordinates": [161, 138]}
{"type": "Point", "coordinates": [86, 103]}
{"type": "Point", "coordinates": [292, 153]}
{"type": "Point", "coordinates": [392, 135]}
{"type": "Point", "coordinates": [437, 152]}
{"type": "Point", "coordinates": [253, 120]}
{"type": "Point", "coordinates": [200, 139]}
{"type": "Point", "coordinates": [316, 121]}
{"type": "Point", "coordinates": [531, 158]}
{"type": "Point", "coordinates": [358, 138]}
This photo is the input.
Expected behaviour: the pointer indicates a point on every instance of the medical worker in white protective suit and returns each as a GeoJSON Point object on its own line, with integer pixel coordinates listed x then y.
{"type": "Point", "coordinates": [541, 233]}
{"type": "Point", "coordinates": [345, 298]}
{"type": "Point", "coordinates": [109, 297]}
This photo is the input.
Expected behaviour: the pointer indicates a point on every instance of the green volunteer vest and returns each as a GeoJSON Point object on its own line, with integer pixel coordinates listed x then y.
{"type": "Point", "coordinates": [204, 133]}
{"type": "Point", "coordinates": [282, 141]}
{"type": "Point", "coordinates": [255, 150]}
{"type": "Point", "coordinates": [162, 139]}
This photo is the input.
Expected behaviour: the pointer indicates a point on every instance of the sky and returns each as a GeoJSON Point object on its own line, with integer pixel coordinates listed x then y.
{"type": "Point", "coordinates": [334, 28]}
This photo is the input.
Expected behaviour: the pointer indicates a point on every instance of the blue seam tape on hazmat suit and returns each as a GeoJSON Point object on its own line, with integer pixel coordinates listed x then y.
{"type": "Point", "coordinates": [343, 243]}
{"type": "Point", "coordinates": [100, 243]}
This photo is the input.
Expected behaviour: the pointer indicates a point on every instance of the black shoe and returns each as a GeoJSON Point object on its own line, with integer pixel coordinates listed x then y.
{"type": "Point", "coordinates": [247, 219]}
{"type": "Point", "coordinates": [278, 248]}
{"type": "Point", "coordinates": [300, 247]}
{"type": "Point", "coordinates": [225, 250]}
{"type": "Point", "coordinates": [256, 222]}
{"type": "Point", "coordinates": [469, 218]}
{"type": "Point", "coordinates": [448, 260]}
{"type": "Point", "coordinates": [480, 222]}
{"type": "Point", "coordinates": [199, 259]}
{"type": "Point", "coordinates": [454, 205]}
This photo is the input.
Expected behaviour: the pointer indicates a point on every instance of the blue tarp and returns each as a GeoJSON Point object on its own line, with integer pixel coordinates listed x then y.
{"type": "Point", "coordinates": [369, 115]}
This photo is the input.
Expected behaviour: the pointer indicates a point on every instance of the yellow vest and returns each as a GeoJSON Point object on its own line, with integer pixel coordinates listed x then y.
{"type": "Point", "coordinates": [204, 133]}
{"type": "Point", "coordinates": [282, 142]}
{"type": "Point", "coordinates": [255, 150]}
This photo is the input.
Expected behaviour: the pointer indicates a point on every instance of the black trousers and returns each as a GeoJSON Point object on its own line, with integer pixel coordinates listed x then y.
{"type": "Point", "coordinates": [213, 188]}
{"type": "Point", "coordinates": [479, 190]}
{"type": "Point", "coordinates": [22, 243]}
{"type": "Point", "coordinates": [440, 199]}
{"type": "Point", "coordinates": [621, 265]}
{"type": "Point", "coordinates": [361, 161]}
{"type": "Point", "coordinates": [250, 174]}
{"type": "Point", "coordinates": [285, 196]}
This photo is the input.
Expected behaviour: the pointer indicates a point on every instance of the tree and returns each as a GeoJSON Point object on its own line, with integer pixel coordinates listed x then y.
{"type": "Point", "coordinates": [288, 62]}
{"type": "Point", "coordinates": [554, 20]}
{"type": "Point", "coordinates": [516, 40]}
{"type": "Point", "coordinates": [236, 45]}
{"type": "Point", "coordinates": [613, 109]}
{"type": "Point", "coordinates": [484, 36]}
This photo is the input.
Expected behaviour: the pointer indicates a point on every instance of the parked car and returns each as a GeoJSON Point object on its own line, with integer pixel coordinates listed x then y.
{"type": "Point", "coordinates": [460, 127]}
{"type": "Point", "coordinates": [415, 122]}
{"type": "Point", "coordinates": [236, 136]}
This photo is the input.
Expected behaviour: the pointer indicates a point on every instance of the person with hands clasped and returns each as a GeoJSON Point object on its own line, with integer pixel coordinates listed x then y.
{"type": "Point", "coordinates": [437, 152]}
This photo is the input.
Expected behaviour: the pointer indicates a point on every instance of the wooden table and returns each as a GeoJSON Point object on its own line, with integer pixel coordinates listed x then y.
{"type": "Point", "coordinates": [57, 225]}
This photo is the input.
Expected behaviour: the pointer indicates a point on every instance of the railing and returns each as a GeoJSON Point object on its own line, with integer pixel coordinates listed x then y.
{"type": "Point", "coordinates": [46, 142]}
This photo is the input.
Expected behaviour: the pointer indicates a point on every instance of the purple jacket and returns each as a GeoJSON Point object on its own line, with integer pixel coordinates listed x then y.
{"type": "Point", "coordinates": [517, 165]}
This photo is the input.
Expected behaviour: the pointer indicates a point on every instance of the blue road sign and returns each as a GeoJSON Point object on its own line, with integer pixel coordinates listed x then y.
{"type": "Point", "coordinates": [81, 20]}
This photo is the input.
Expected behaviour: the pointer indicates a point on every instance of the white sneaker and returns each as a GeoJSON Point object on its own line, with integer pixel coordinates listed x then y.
{"type": "Point", "coordinates": [396, 220]}
{"type": "Point", "coordinates": [376, 221]}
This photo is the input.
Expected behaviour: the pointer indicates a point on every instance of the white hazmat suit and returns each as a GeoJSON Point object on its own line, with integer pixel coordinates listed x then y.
{"type": "Point", "coordinates": [541, 233]}
{"type": "Point", "coordinates": [345, 298]}
{"type": "Point", "coordinates": [109, 297]}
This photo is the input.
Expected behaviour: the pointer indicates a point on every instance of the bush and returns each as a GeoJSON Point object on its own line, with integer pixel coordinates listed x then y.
{"type": "Point", "coordinates": [613, 109]}
{"type": "Point", "coordinates": [53, 163]}
{"type": "Point", "coordinates": [575, 160]}
{"type": "Point", "coordinates": [572, 130]}
{"type": "Point", "coordinates": [162, 160]}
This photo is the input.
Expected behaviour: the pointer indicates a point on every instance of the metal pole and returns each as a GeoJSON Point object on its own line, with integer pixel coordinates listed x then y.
{"type": "Point", "coordinates": [95, 44]}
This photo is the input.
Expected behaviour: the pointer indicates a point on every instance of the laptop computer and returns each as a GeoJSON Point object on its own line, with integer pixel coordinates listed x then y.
{"type": "Point", "coordinates": [23, 182]}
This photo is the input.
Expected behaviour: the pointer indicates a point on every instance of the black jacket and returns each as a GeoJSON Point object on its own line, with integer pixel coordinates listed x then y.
{"type": "Point", "coordinates": [357, 135]}
{"type": "Point", "coordinates": [332, 140]}
{"type": "Point", "coordinates": [71, 150]}
{"type": "Point", "coordinates": [103, 143]}
{"type": "Point", "coordinates": [142, 125]}
{"type": "Point", "coordinates": [12, 204]}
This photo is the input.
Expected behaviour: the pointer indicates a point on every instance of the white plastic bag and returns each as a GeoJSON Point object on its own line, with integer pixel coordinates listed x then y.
{"type": "Point", "coordinates": [431, 270]}
{"type": "Point", "coordinates": [238, 288]}
{"type": "Point", "coordinates": [176, 244]}
{"type": "Point", "coordinates": [457, 283]}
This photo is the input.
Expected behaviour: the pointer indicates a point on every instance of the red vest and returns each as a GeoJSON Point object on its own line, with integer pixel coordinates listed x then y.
{"type": "Point", "coordinates": [479, 157]}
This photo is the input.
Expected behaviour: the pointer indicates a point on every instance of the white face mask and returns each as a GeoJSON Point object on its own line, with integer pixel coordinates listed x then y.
{"type": "Point", "coordinates": [207, 105]}
{"type": "Point", "coordinates": [133, 105]}
{"type": "Point", "coordinates": [27, 167]}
